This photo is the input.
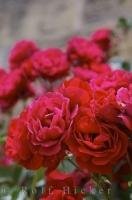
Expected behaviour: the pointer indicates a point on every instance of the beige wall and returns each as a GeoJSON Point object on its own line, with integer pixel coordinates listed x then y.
{"type": "Point", "coordinates": [52, 22]}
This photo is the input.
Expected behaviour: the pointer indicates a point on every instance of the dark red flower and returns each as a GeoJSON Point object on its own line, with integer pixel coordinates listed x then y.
{"type": "Point", "coordinates": [51, 63]}
{"type": "Point", "coordinates": [103, 37]}
{"type": "Point", "coordinates": [98, 147]}
{"type": "Point", "coordinates": [21, 51]}
{"type": "Point", "coordinates": [82, 52]}
{"type": "Point", "coordinates": [92, 73]}
{"type": "Point", "coordinates": [37, 137]}
{"type": "Point", "coordinates": [60, 186]}
{"type": "Point", "coordinates": [112, 79]}
{"type": "Point", "coordinates": [78, 91]}
{"type": "Point", "coordinates": [28, 70]}
{"type": "Point", "coordinates": [12, 87]}
{"type": "Point", "coordinates": [83, 180]}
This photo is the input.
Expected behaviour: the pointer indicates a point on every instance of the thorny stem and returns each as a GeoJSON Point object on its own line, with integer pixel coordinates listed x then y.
{"type": "Point", "coordinates": [35, 177]}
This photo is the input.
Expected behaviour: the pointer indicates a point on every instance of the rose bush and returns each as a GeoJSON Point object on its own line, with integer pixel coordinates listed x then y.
{"type": "Point", "coordinates": [70, 116]}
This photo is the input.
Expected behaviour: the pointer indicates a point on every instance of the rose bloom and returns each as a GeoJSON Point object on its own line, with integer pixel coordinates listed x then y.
{"type": "Point", "coordinates": [82, 52]}
{"type": "Point", "coordinates": [105, 106]}
{"type": "Point", "coordinates": [78, 91]}
{"type": "Point", "coordinates": [12, 87]}
{"type": "Point", "coordinates": [113, 79]}
{"type": "Point", "coordinates": [124, 100]}
{"type": "Point", "coordinates": [21, 51]}
{"type": "Point", "coordinates": [2, 73]}
{"type": "Point", "coordinates": [103, 37]}
{"type": "Point", "coordinates": [36, 138]}
{"type": "Point", "coordinates": [97, 146]}
{"type": "Point", "coordinates": [28, 70]}
{"type": "Point", "coordinates": [60, 185]}
{"type": "Point", "coordinates": [92, 73]}
{"type": "Point", "coordinates": [51, 63]}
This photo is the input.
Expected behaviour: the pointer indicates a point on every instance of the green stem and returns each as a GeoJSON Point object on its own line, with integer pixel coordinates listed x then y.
{"type": "Point", "coordinates": [33, 186]}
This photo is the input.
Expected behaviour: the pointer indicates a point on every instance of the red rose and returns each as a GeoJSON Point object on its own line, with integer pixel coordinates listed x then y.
{"type": "Point", "coordinates": [37, 137]}
{"type": "Point", "coordinates": [28, 70]}
{"type": "Point", "coordinates": [113, 79]}
{"type": "Point", "coordinates": [103, 38]}
{"type": "Point", "coordinates": [98, 147]}
{"type": "Point", "coordinates": [82, 52]}
{"type": "Point", "coordinates": [78, 91]}
{"type": "Point", "coordinates": [60, 186]}
{"type": "Point", "coordinates": [21, 51]}
{"type": "Point", "coordinates": [92, 73]}
{"type": "Point", "coordinates": [84, 74]}
{"type": "Point", "coordinates": [105, 106]}
{"type": "Point", "coordinates": [12, 87]}
{"type": "Point", "coordinates": [51, 63]}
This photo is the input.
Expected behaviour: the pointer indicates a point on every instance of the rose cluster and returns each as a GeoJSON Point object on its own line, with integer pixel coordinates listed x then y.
{"type": "Point", "coordinates": [85, 112]}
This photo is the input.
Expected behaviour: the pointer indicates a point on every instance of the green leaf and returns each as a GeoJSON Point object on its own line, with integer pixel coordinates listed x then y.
{"type": "Point", "coordinates": [66, 166]}
{"type": "Point", "coordinates": [126, 66]}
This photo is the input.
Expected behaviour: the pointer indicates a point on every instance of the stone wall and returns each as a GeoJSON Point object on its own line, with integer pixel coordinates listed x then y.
{"type": "Point", "coordinates": [52, 22]}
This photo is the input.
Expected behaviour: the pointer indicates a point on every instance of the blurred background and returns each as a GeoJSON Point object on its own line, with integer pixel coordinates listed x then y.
{"type": "Point", "coordinates": [53, 22]}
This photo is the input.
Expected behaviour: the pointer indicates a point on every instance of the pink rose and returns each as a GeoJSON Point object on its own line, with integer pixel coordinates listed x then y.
{"type": "Point", "coordinates": [124, 100]}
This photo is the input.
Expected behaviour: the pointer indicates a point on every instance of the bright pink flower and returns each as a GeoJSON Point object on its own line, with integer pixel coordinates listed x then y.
{"type": "Point", "coordinates": [124, 100]}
